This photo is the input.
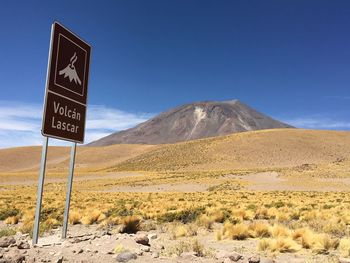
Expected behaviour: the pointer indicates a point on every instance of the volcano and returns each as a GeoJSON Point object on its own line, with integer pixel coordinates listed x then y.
{"type": "Point", "coordinates": [194, 121]}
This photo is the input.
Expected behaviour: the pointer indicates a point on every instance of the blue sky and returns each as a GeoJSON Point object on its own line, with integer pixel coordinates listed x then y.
{"type": "Point", "coordinates": [288, 59]}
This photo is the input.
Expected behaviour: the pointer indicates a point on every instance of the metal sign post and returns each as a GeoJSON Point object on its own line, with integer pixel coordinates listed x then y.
{"type": "Point", "coordinates": [65, 104]}
{"type": "Point", "coordinates": [40, 191]}
{"type": "Point", "coordinates": [69, 190]}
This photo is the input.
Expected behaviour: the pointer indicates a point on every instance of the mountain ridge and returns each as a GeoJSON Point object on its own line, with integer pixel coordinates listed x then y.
{"type": "Point", "coordinates": [194, 121]}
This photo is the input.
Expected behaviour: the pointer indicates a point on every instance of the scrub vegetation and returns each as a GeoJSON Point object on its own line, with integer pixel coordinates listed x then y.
{"type": "Point", "coordinates": [281, 221]}
{"type": "Point", "coordinates": [215, 186]}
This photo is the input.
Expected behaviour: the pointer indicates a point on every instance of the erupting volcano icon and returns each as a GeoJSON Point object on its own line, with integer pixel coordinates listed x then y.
{"type": "Point", "coordinates": [70, 70]}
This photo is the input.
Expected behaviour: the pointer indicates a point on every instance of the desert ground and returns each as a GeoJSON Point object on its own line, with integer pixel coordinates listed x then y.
{"type": "Point", "coordinates": [278, 195]}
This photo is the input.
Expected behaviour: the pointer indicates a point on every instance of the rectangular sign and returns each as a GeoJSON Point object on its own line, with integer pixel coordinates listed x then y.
{"type": "Point", "coordinates": [66, 86]}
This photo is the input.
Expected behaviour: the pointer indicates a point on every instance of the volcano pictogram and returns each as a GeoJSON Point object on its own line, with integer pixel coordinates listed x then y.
{"type": "Point", "coordinates": [70, 70]}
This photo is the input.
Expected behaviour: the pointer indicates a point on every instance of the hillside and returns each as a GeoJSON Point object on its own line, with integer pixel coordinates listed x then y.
{"type": "Point", "coordinates": [194, 121]}
{"type": "Point", "coordinates": [256, 149]}
{"type": "Point", "coordinates": [22, 159]}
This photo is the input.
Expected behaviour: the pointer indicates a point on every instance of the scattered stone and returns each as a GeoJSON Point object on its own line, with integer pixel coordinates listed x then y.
{"type": "Point", "coordinates": [30, 260]}
{"type": "Point", "coordinates": [158, 247]}
{"type": "Point", "coordinates": [23, 245]}
{"type": "Point", "coordinates": [126, 256]}
{"type": "Point", "coordinates": [344, 260]}
{"type": "Point", "coordinates": [37, 246]}
{"type": "Point", "coordinates": [155, 255]}
{"type": "Point", "coordinates": [7, 241]}
{"type": "Point", "coordinates": [188, 255]}
{"type": "Point", "coordinates": [139, 252]}
{"type": "Point", "coordinates": [152, 236]}
{"type": "Point", "coordinates": [46, 245]}
{"type": "Point", "coordinates": [66, 244]}
{"type": "Point", "coordinates": [80, 251]}
{"type": "Point", "coordinates": [145, 249]}
{"type": "Point", "coordinates": [59, 259]}
{"type": "Point", "coordinates": [233, 256]}
{"type": "Point", "coordinates": [142, 239]}
{"type": "Point", "coordinates": [254, 259]}
{"type": "Point", "coordinates": [15, 256]}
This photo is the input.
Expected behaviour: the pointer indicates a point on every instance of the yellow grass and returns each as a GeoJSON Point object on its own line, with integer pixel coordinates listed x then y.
{"type": "Point", "coordinates": [316, 222]}
{"type": "Point", "coordinates": [344, 247]}
{"type": "Point", "coordinates": [238, 231]}
{"type": "Point", "coordinates": [12, 220]}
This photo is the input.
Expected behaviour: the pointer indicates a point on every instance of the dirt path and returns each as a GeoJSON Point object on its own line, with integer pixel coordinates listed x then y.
{"type": "Point", "coordinates": [272, 181]}
{"type": "Point", "coordinates": [185, 188]}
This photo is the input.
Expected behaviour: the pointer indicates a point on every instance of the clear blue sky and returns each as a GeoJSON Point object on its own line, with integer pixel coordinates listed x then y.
{"type": "Point", "coordinates": [288, 59]}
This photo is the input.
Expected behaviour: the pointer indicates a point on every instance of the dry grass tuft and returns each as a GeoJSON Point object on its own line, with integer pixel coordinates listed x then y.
{"type": "Point", "coordinates": [280, 231]}
{"type": "Point", "coordinates": [344, 247]}
{"type": "Point", "coordinates": [304, 236]}
{"type": "Point", "coordinates": [130, 224]}
{"type": "Point", "coordinates": [237, 232]}
{"type": "Point", "coordinates": [186, 246]}
{"type": "Point", "coordinates": [51, 222]}
{"type": "Point", "coordinates": [264, 244]}
{"type": "Point", "coordinates": [259, 229]}
{"type": "Point", "coordinates": [281, 245]}
{"type": "Point", "coordinates": [206, 222]}
{"type": "Point", "coordinates": [27, 227]}
{"type": "Point", "coordinates": [74, 217]}
{"type": "Point", "coordinates": [12, 220]}
{"type": "Point", "coordinates": [91, 217]}
{"type": "Point", "coordinates": [182, 230]}
{"type": "Point", "coordinates": [324, 243]}
{"type": "Point", "coordinates": [119, 249]}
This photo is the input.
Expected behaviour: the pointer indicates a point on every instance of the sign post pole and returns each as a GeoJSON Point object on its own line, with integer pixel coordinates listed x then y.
{"type": "Point", "coordinates": [40, 191]}
{"type": "Point", "coordinates": [69, 190]}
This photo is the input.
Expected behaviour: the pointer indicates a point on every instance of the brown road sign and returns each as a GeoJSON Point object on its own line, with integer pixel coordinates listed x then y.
{"type": "Point", "coordinates": [66, 86]}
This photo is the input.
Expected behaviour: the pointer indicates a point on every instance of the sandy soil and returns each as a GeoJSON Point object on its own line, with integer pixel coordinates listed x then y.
{"type": "Point", "coordinates": [80, 178]}
{"type": "Point", "coordinates": [89, 244]}
{"type": "Point", "coordinates": [185, 188]}
{"type": "Point", "coordinates": [272, 181]}
{"type": "Point", "coordinates": [263, 181]}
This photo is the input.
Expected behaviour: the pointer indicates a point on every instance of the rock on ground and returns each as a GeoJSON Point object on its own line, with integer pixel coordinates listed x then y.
{"type": "Point", "coordinates": [142, 239]}
{"type": "Point", "coordinates": [254, 259]}
{"type": "Point", "coordinates": [7, 241]}
{"type": "Point", "coordinates": [23, 245]}
{"type": "Point", "coordinates": [14, 256]}
{"type": "Point", "coordinates": [233, 256]}
{"type": "Point", "coordinates": [126, 256]}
